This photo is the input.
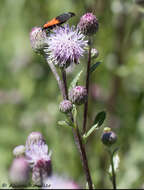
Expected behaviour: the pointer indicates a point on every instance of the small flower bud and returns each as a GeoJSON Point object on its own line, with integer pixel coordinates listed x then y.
{"type": "Point", "coordinates": [78, 95]}
{"type": "Point", "coordinates": [94, 53]}
{"type": "Point", "coordinates": [38, 39]}
{"type": "Point", "coordinates": [108, 137]}
{"type": "Point", "coordinates": [65, 106]}
{"type": "Point", "coordinates": [19, 151]}
{"type": "Point", "coordinates": [88, 24]}
{"type": "Point", "coordinates": [19, 172]}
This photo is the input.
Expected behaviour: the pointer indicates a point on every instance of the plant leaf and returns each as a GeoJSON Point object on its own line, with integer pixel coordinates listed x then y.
{"type": "Point", "coordinates": [63, 124]}
{"type": "Point", "coordinates": [75, 80]}
{"type": "Point", "coordinates": [100, 117]}
{"type": "Point", "coordinates": [94, 66]}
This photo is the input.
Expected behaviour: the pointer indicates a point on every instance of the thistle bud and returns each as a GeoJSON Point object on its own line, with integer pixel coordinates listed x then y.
{"type": "Point", "coordinates": [88, 24]}
{"type": "Point", "coordinates": [38, 39]}
{"type": "Point", "coordinates": [65, 106]}
{"type": "Point", "coordinates": [19, 172]}
{"type": "Point", "coordinates": [108, 137]}
{"type": "Point", "coordinates": [78, 95]}
{"type": "Point", "coordinates": [19, 151]}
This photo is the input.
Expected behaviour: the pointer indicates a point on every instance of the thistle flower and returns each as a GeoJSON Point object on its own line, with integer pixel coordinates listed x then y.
{"type": "Point", "coordinates": [34, 138]}
{"type": "Point", "coordinates": [78, 95]}
{"type": "Point", "coordinates": [19, 151]}
{"type": "Point", "coordinates": [38, 157]}
{"type": "Point", "coordinates": [38, 39]}
{"type": "Point", "coordinates": [65, 106]}
{"type": "Point", "coordinates": [108, 137]}
{"type": "Point", "coordinates": [88, 24]}
{"type": "Point", "coordinates": [19, 172]}
{"type": "Point", "coordinates": [65, 46]}
{"type": "Point", "coordinates": [58, 182]}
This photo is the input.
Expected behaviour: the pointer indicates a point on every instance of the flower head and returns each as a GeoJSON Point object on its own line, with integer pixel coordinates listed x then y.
{"type": "Point", "coordinates": [38, 39]}
{"type": "Point", "coordinates": [59, 182]}
{"type": "Point", "coordinates": [88, 24]}
{"type": "Point", "coordinates": [39, 158]}
{"type": "Point", "coordinates": [65, 106]}
{"type": "Point", "coordinates": [19, 150]}
{"type": "Point", "coordinates": [78, 95]}
{"type": "Point", "coordinates": [65, 46]}
{"type": "Point", "coordinates": [19, 172]}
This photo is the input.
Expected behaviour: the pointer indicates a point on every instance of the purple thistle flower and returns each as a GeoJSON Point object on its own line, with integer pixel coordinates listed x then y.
{"type": "Point", "coordinates": [59, 182]}
{"type": "Point", "coordinates": [19, 172]}
{"type": "Point", "coordinates": [38, 157]}
{"type": "Point", "coordinates": [65, 46]}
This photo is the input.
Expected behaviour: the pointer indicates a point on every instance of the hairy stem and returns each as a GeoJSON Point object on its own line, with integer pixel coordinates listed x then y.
{"type": "Point", "coordinates": [65, 82]}
{"type": "Point", "coordinates": [78, 140]}
{"type": "Point", "coordinates": [57, 77]}
{"type": "Point", "coordinates": [87, 87]}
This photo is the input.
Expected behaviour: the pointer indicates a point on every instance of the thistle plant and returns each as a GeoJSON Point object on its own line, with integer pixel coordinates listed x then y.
{"type": "Point", "coordinates": [62, 47]}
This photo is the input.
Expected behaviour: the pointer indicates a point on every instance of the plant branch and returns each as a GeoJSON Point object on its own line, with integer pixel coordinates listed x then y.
{"type": "Point", "coordinates": [57, 77]}
{"type": "Point", "coordinates": [87, 87]}
{"type": "Point", "coordinates": [78, 140]}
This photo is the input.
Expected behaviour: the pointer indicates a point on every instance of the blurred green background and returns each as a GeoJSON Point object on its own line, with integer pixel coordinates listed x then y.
{"type": "Point", "coordinates": [29, 95]}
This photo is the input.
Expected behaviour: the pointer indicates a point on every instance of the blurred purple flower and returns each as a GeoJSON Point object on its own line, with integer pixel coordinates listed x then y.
{"type": "Point", "coordinates": [65, 46]}
{"type": "Point", "coordinates": [58, 182]}
{"type": "Point", "coordinates": [38, 157]}
{"type": "Point", "coordinates": [19, 172]}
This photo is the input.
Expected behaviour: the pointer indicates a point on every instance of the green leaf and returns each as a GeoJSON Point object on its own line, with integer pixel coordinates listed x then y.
{"type": "Point", "coordinates": [75, 80]}
{"type": "Point", "coordinates": [94, 66]}
{"type": "Point", "coordinates": [63, 124]}
{"type": "Point", "coordinates": [100, 117]}
{"type": "Point", "coordinates": [92, 129]}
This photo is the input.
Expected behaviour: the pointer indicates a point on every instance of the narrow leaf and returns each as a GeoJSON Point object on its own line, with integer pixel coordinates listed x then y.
{"type": "Point", "coordinates": [75, 80]}
{"type": "Point", "coordinates": [63, 124]}
{"type": "Point", "coordinates": [100, 117]}
{"type": "Point", "coordinates": [94, 66]}
{"type": "Point", "coordinates": [92, 129]}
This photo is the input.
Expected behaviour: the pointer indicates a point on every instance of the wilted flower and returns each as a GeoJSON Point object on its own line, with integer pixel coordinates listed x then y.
{"type": "Point", "coordinates": [78, 95]}
{"type": "Point", "coordinates": [65, 46]}
{"type": "Point", "coordinates": [19, 150]}
{"type": "Point", "coordinates": [19, 172]}
{"type": "Point", "coordinates": [94, 53]}
{"type": "Point", "coordinates": [38, 39]}
{"type": "Point", "coordinates": [65, 106]}
{"type": "Point", "coordinates": [88, 24]}
{"type": "Point", "coordinates": [58, 182]}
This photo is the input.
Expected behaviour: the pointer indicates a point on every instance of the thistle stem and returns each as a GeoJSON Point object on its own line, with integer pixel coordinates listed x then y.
{"type": "Point", "coordinates": [78, 140]}
{"type": "Point", "coordinates": [85, 115]}
{"type": "Point", "coordinates": [57, 77]}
